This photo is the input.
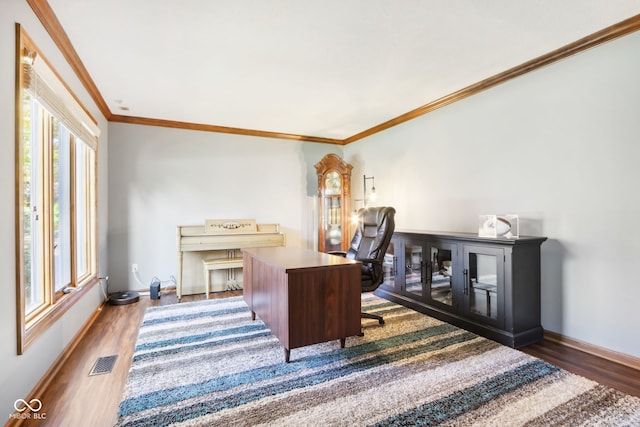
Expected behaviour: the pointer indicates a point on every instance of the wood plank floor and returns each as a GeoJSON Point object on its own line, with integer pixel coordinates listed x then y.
{"type": "Point", "coordinates": [76, 399]}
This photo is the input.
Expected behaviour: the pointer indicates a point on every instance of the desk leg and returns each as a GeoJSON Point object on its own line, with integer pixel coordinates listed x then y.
{"type": "Point", "coordinates": [287, 354]}
{"type": "Point", "coordinates": [253, 315]}
{"type": "Point", "coordinates": [342, 342]}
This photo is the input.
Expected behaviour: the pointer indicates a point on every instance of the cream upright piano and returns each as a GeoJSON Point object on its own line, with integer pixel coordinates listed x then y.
{"type": "Point", "coordinates": [215, 247]}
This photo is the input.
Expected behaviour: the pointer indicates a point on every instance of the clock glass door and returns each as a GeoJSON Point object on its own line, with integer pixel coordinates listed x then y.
{"type": "Point", "coordinates": [332, 215]}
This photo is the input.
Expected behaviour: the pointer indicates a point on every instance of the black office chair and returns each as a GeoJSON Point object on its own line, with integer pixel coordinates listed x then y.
{"type": "Point", "coordinates": [369, 245]}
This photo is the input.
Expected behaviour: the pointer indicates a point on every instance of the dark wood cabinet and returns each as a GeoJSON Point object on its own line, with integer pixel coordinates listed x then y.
{"type": "Point", "coordinates": [489, 286]}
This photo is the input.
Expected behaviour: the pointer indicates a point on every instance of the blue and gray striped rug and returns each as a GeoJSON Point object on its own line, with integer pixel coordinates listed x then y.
{"type": "Point", "coordinates": [206, 363]}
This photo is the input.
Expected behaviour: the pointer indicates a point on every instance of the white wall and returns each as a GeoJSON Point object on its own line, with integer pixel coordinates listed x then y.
{"type": "Point", "coordinates": [161, 178]}
{"type": "Point", "coordinates": [19, 374]}
{"type": "Point", "coordinates": [559, 147]}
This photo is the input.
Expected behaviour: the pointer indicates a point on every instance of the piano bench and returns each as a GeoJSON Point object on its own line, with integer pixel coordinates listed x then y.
{"type": "Point", "coordinates": [218, 264]}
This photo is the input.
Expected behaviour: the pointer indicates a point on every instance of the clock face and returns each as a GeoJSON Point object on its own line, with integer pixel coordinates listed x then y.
{"type": "Point", "coordinates": [332, 183]}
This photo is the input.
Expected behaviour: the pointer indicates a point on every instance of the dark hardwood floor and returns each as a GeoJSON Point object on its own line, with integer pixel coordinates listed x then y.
{"type": "Point", "coordinates": [621, 377]}
{"type": "Point", "coordinates": [73, 398]}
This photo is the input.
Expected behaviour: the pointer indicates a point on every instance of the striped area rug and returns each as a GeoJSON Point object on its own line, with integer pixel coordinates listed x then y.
{"type": "Point", "coordinates": [206, 363]}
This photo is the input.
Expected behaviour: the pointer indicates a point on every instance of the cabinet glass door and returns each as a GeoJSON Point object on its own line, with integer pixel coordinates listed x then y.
{"type": "Point", "coordinates": [484, 283]}
{"type": "Point", "coordinates": [413, 270]}
{"type": "Point", "coordinates": [390, 265]}
{"type": "Point", "coordinates": [442, 259]}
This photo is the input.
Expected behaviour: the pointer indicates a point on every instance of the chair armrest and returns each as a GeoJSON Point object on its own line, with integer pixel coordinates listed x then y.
{"type": "Point", "coordinates": [339, 253]}
{"type": "Point", "coordinates": [368, 260]}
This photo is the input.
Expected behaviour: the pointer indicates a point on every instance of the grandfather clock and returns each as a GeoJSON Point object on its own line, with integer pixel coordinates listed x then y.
{"type": "Point", "coordinates": [334, 194]}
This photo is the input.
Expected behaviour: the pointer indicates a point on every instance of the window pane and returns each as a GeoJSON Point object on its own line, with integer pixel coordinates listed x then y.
{"type": "Point", "coordinates": [83, 211]}
{"type": "Point", "coordinates": [61, 175]}
{"type": "Point", "coordinates": [32, 133]}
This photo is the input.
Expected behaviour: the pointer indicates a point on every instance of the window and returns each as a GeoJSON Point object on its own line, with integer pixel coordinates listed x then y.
{"type": "Point", "coordinates": [56, 194]}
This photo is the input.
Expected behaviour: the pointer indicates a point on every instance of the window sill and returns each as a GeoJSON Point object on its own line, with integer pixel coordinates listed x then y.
{"type": "Point", "coordinates": [44, 321]}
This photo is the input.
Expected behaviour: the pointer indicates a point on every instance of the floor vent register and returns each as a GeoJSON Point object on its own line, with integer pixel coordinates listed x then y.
{"type": "Point", "coordinates": [103, 365]}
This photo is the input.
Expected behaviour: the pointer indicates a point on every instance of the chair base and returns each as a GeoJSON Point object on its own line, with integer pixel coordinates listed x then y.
{"type": "Point", "coordinates": [372, 316]}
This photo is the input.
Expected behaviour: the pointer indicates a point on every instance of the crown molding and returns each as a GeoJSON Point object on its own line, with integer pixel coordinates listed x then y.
{"type": "Point", "coordinates": [49, 20]}
{"type": "Point", "coordinates": [52, 25]}
{"type": "Point", "coordinates": [219, 129]}
{"type": "Point", "coordinates": [610, 33]}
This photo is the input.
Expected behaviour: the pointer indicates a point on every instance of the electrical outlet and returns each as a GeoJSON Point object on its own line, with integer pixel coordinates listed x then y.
{"type": "Point", "coordinates": [134, 268]}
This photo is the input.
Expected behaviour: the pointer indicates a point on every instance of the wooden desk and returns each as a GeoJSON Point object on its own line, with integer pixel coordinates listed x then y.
{"type": "Point", "coordinates": [304, 297]}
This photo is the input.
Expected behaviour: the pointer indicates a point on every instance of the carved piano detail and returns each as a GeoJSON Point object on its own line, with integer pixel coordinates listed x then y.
{"type": "Point", "coordinates": [218, 245]}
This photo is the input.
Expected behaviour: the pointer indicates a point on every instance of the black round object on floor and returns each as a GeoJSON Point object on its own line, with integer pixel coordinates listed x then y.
{"type": "Point", "coordinates": [122, 298]}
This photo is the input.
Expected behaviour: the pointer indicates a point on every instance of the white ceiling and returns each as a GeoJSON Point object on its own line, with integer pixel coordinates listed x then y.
{"type": "Point", "coordinates": [326, 68]}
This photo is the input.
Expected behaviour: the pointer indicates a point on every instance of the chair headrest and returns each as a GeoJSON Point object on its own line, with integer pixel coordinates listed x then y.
{"type": "Point", "coordinates": [375, 215]}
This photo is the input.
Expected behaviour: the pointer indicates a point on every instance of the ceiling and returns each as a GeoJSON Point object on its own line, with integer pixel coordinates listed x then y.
{"type": "Point", "coordinates": [324, 68]}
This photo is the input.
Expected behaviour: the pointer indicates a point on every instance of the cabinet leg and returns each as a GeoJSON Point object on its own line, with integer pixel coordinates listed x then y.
{"type": "Point", "coordinates": [342, 342]}
{"type": "Point", "coordinates": [287, 354]}
{"type": "Point", "coordinates": [253, 315]}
